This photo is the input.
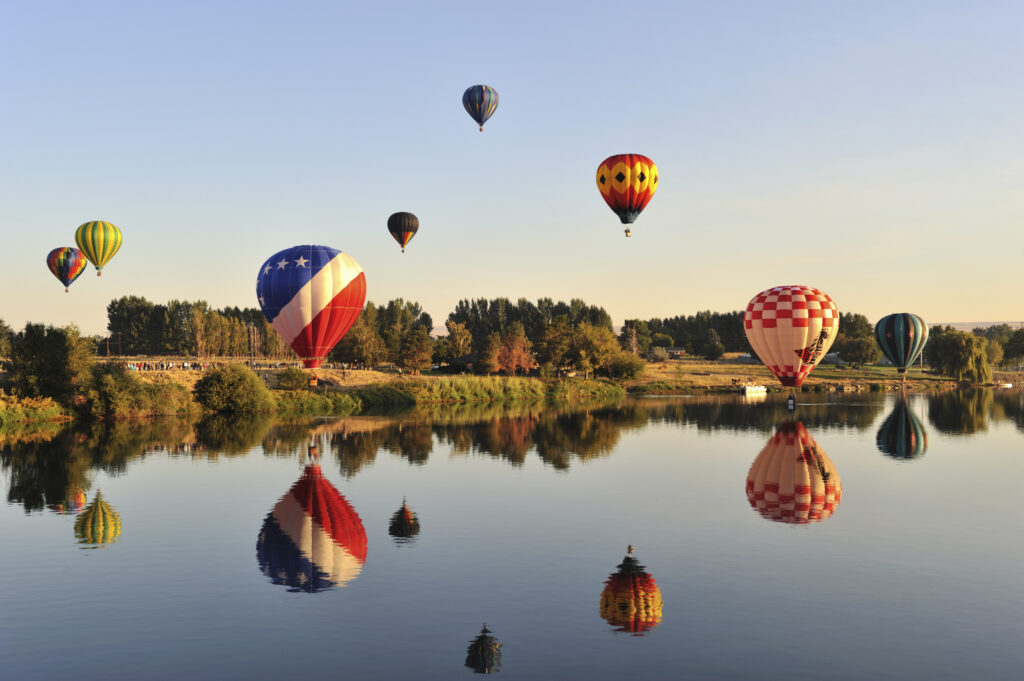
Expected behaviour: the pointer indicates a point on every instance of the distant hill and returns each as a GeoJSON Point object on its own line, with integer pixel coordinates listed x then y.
{"type": "Point", "coordinates": [970, 326]}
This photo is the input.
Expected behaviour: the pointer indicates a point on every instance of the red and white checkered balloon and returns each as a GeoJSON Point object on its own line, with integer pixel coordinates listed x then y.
{"type": "Point", "coordinates": [791, 328]}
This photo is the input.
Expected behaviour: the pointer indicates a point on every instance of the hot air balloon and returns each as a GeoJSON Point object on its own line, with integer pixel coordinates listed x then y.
{"type": "Point", "coordinates": [403, 227]}
{"type": "Point", "coordinates": [312, 539]}
{"type": "Point", "coordinates": [480, 102]}
{"type": "Point", "coordinates": [792, 480]}
{"type": "Point", "coordinates": [902, 436]}
{"type": "Point", "coordinates": [631, 600]}
{"type": "Point", "coordinates": [312, 296]}
{"type": "Point", "coordinates": [74, 501]}
{"type": "Point", "coordinates": [483, 655]}
{"type": "Point", "coordinates": [98, 524]}
{"type": "Point", "coordinates": [66, 263]}
{"type": "Point", "coordinates": [100, 241]}
{"type": "Point", "coordinates": [791, 328]}
{"type": "Point", "coordinates": [404, 524]}
{"type": "Point", "coordinates": [901, 336]}
{"type": "Point", "coordinates": [627, 182]}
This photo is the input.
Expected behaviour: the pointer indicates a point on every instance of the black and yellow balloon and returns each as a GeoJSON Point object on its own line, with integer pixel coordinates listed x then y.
{"type": "Point", "coordinates": [100, 241]}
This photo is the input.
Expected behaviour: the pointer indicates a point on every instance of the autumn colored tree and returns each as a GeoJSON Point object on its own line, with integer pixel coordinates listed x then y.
{"type": "Point", "coordinates": [514, 352]}
{"type": "Point", "coordinates": [487, 356]}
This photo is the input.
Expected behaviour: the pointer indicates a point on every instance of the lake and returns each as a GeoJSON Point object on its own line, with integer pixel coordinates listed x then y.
{"type": "Point", "coordinates": [861, 537]}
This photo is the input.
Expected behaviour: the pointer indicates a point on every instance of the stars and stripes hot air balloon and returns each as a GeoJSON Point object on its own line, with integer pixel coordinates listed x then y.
{"type": "Point", "coordinates": [792, 480]}
{"type": "Point", "coordinates": [98, 524]}
{"type": "Point", "coordinates": [627, 182]}
{"type": "Point", "coordinates": [73, 502]}
{"type": "Point", "coordinates": [403, 227]}
{"type": "Point", "coordinates": [67, 264]}
{"type": "Point", "coordinates": [902, 436]}
{"type": "Point", "coordinates": [791, 328]}
{"type": "Point", "coordinates": [901, 336]}
{"type": "Point", "coordinates": [480, 102]}
{"type": "Point", "coordinates": [100, 241]}
{"type": "Point", "coordinates": [312, 540]}
{"type": "Point", "coordinates": [312, 296]}
{"type": "Point", "coordinates": [631, 600]}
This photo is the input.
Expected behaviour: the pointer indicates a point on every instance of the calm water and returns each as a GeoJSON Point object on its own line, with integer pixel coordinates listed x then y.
{"type": "Point", "coordinates": [200, 559]}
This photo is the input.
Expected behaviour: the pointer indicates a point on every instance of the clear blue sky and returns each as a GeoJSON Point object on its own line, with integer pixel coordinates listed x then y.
{"type": "Point", "coordinates": [874, 150]}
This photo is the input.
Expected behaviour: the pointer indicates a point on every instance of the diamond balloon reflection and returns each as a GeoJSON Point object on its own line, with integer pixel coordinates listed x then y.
{"type": "Point", "coordinates": [792, 480]}
{"type": "Point", "coordinates": [483, 655]}
{"type": "Point", "coordinates": [404, 524]}
{"type": "Point", "coordinates": [312, 539]}
{"type": "Point", "coordinates": [631, 600]}
{"type": "Point", "coordinates": [902, 436]}
{"type": "Point", "coordinates": [98, 524]}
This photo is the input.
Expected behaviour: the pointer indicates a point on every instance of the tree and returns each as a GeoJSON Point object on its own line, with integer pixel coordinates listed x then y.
{"type": "Point", "coordinates": [859, 350]}
{"type": "Point", "coordinates": [460, 338]}
{"type": "Point", "coordinates": [1013, 348]}
{"type": "Point", "coordinates": [6, 336]}
{"type": "Point", "coordinates": [487, 356]}
{"type": "Point", "coordinates": [593, 347]}
{"type": "Point", "coordinates": [712, 347]}
{"type": "Point", "coordinates": [514, 353]}
{"type": "Point", "coordinates": [416, 350]}
{"type": "Point", "coordinates": [233, 388]}
{"type": "Point", "coordinates": [50, 362]}
{"type": "Point", "coordinates": [635, 337]}
{"type": "Point", "coordinates": [662, 340]}
{"type": "Point", "coordinates": [553, 349]}
{"type": "Point", "coordinates": [958, 354]}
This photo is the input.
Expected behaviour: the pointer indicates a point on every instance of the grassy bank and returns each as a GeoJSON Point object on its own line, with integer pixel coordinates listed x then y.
{"type": "Point", "coordinates": [15, 411]}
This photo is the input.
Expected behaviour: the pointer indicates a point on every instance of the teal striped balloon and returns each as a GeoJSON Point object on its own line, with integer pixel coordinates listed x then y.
{"type": "Point", "coordinates": [901, 336]}
{"type": "Point", "coordinates": [480, 102]}
{"type": "Point", "coordinates": [902, 436]}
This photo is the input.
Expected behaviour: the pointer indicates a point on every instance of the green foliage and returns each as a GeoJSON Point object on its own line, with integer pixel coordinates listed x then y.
{"type": "Point", "coordinates": [383, 397]}
{"type": "Point", "coordinates": [6, 337]}
{"type": "Point", "coordinates": [712, 347]}
{"type": "Point", "coordinates": [306, 402]}
{"type": "Point", "coordinates": [487, 356]}
{"type": "Point", "coordinates": [113, 392]}
{"type": "Point", "coordinates": [958, 354]}
{"type": "Point", "coordinates": [582, 389]}
{"type": "Point", "coordinates": [858, 350]}
{"type": "Point", "coordinates": [233, 388]}
{"type": "Point", "coordinates": [625, 366]}
{"type": "Point", "coordinates": [658, 354]}
{"type": "Point", "coordinates": [292, 378]}
{"type": "Point", "coordinates": [50, 362]}
{"type": "Point", "coordinates": [690, 331]}
{"type": "Point", "coordinates": [14, 410]}
{"type": "Point", "coordinates": [1013, 347]}
{"type": "Point", "coordinates": [635, 337]}
{"type": "Point", "coordinates": [416, 349]}
{"type": "Point", "coordinates": [473, 389]}
{"type": "Point", "coordinates": [662, 340]}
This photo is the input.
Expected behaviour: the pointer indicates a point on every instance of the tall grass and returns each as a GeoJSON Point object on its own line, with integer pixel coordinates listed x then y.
{"type": "Point", "coordinates": [15, 410]}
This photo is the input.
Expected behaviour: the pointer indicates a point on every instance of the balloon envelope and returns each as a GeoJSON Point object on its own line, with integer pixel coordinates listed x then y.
{"type": "Point", "coordinates": [403, 227]}
{"type": "Point", "coordinates": [312, 296]}
{"type": "Point", "coordinates": [480, 102]}
{"type": "Point", "coordinates": [312, 539]}
{"type": "Point", "coordinates": [627, 182]}
{"type": "Point", "coordinates": [792, 480]}
{"type": "Point", "coordinates": [98, 524]}
{"type": "Point", "coordinates": [66, 263]}
{"type": "Point", "coordinates": [791, 328]}
{"type": "Point", "coordinates": [631, 600]}
{"type": "Point", "coordinates": [100, 241]}
{"type": "Point", "coordinates": [902, 436]}
{"type": "Point", "coordinates": [404, 525]}
{"type": "Point", "coordinates": [901, 336]}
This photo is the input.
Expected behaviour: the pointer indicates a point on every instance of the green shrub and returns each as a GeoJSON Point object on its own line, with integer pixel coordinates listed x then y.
{"type": "Point", "coordinates": [24, 410]}
{"type": "Point", "coordinates": [235, 389]}
{"type": "Point", "coordinates": [319, 404]}
{"type": "Point", "coordinates": [113, 392]}
{"type": "Point", "coordinates": [292, 378]}
{"type": "Point", "coordinates": [625, 366]}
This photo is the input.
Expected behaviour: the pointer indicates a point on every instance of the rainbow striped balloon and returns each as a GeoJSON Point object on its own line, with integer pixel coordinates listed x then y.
{"type": "Point", "coordinates": [67, 264]}
{"type": "Point", "coordinates": [480, 102]}
{"type": "Point", "coordinates": [100, 241]}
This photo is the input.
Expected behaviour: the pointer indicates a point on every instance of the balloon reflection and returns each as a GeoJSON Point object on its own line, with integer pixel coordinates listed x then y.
{"type": "Point", "coordinates": [631, 600]}
{"type": "Point", "coordinates": [483, 655]}
{"type": "Point", "coordinates": [73, 502]}
{"type": "Point", "coordinates": [404, 524]}
{"type": "Point", "coordinates": [99, 524]}
{"type": "Point", "coordinates": [312, 540]}
{"type": "Point", "coordinates": [902, 436]}
{"type": "Point", "coordinates": [792, 480]}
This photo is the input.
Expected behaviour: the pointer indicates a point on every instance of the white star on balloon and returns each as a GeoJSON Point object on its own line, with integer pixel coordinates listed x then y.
{"type": "Point", "coordinates": [301, 262]}
{"type": "Point", "coordinates": [266, 270]}
{"type": "Point", "coordinates": [281, 265]}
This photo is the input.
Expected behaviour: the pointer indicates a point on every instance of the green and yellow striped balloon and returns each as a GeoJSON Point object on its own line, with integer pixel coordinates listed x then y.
{"type": "Point", "coordinates": [99, 241]}
{"type": "Point", "coordinates": [98, 524]}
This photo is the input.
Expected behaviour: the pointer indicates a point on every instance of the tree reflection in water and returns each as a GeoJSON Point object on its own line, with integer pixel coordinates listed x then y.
{"type": "Point", "coordinates": [48, 465]}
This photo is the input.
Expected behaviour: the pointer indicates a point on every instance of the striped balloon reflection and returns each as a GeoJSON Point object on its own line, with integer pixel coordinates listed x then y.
{"type": "Point", "coordinates": [312, 540]}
